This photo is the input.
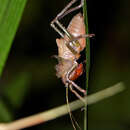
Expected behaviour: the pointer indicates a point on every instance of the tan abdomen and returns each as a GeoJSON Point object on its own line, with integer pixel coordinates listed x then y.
{"type": "Point", "coordinates": [77, 27]}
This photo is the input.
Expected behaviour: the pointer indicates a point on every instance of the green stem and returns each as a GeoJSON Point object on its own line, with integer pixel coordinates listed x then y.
{"type": "Point", "coordinates": [87, 59]}
{"type": "Point", "coordinates": [62, 110]}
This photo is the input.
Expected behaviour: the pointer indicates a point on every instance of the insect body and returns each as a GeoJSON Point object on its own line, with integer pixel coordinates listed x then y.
{"type": "Point", "coordinates": [67, 58]}
{"type": "Point", "coordinates": [69, 48]}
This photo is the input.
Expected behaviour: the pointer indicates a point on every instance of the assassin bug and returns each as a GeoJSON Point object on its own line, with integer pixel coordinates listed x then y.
{"type": "Point", "coordinates": [69, 47]}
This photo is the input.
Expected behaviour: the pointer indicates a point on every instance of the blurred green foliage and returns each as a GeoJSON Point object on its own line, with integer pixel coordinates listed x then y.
{"type": "Point", "coordinates": [13, 96]}
{"type": "Point", "coordinates": [10, 14]}
{"type": "Point", "coordinates": [5, 114]}
{"type": "Point", "coordinates": [29, 84]}
{"type": "Point", "coordinates": [17, 89]}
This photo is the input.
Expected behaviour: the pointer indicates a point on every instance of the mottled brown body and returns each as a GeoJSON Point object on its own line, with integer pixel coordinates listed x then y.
{"type": "Point", "coordinates": [66, 58]}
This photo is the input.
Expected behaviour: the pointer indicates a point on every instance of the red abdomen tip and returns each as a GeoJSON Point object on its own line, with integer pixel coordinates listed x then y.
{"type": "Point", "coordinates": [77, 72]}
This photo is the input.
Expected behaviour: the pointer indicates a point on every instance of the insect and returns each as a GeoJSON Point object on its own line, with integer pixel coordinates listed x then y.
{"type": "Point", "coordinates": [73, 41]}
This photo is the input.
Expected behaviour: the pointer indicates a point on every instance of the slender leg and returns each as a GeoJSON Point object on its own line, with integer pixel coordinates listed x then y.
{"type": "Point", "coordinates": [63, 29]}
{"type": "Point", "coordinates": [82, 36]}
{"type": "Point", "coordinates": [72, 9]}
{"type": "Point", "coordinates": [72, 90]}
{"type": "Point", "coordinates": [76, 94]}
{"type": "Point", "coordinates": [72, 39]}
{"type": "Point", "coordinates": [70, 36]}
{"type": "Point", "coordinates": [71, 44]}
{"type": "Point", "coordinates": [57, 30]}
{"type": "Point", "coordinates": [71, 82]}
{"type": "Point", "coordinates": [64, 12]}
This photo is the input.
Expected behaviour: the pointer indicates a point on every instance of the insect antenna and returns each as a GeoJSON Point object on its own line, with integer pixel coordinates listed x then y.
{"type": "Point", "coordinates": [73, 120]}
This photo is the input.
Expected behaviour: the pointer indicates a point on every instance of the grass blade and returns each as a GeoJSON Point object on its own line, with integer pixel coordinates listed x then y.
{"type": "Point", "coordinates": [87, 43]}
{"type": "Point", "coordinates": [10, 14]}
{"type": "Point", "coordinates": [87, 58]}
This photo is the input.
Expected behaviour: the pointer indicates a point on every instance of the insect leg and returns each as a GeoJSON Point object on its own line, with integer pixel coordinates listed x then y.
{"type": "Point", "coordinates": [76, 94]}
{"type": "Point", "coordinates": [71, 82]}
{"type": "Point", "coordinates": [61, 14]}
{"type": "Point", "coordinates": [77, 87]}
{"type": "Point", "coordinates": [57, 30]}
{"type": "Point", "coordinates": [72, 9]}
{"type": "Point", "coordinates": [61, 27]}
{"type": "Point", "coordinates": [82, 36]}
{"type": "Point", "coordinates": [64, 12]}
{"type": "Point", "coordinates": [62, 35]}
{"type": "Point", "coordinates": [73, 42]}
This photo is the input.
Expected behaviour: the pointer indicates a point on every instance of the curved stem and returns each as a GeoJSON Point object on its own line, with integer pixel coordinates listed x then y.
{"type": "Point", "coordinates": [61, 110]}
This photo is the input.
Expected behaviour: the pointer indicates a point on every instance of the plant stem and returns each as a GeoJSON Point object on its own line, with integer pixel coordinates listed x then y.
{"type": "Point", "coordinates": [87, 59]}
{"type": "Point", "coordinates": [61, 110]}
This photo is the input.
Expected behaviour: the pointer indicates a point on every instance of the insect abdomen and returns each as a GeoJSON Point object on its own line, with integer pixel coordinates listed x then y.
{"type": "Point", "coordinates": [77, 27]}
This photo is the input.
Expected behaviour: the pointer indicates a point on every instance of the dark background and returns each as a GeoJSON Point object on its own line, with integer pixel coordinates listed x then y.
{"type": "Point", "coordinates": [30, 64]}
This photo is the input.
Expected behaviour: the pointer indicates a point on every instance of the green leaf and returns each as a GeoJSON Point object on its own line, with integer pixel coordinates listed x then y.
{"type": "Point", "coordinates": [17, 89]}
{"type": "Point", "coordinates": [10, 14]}
{"type": "Point", "coordinates": [5, 114]}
